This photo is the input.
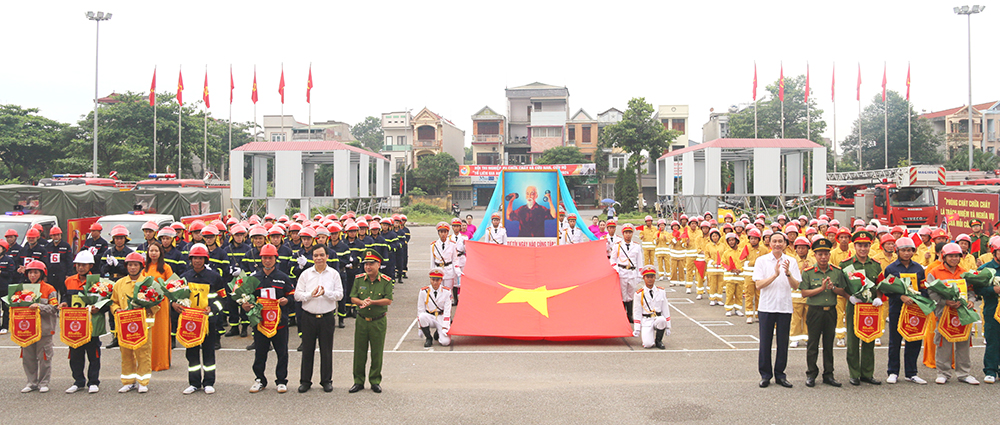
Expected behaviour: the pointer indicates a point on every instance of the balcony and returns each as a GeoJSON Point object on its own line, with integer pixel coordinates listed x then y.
{"type": "Point", "coordinates": [518, 159]}
{"type": "Point", "coordinates": [431, 143]}
{"type": "Point", "coordinates": [571, 143]}
{"type": "Point", "coordinates": [396, 148]}
{"type": "Point", "coordinates": [522, 140]}
{"type": "Point", "coordinates": [487, 138]}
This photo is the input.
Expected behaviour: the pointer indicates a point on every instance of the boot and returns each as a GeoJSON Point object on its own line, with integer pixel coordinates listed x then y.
{"type": "Point", "coordinates": [252, 346]}
{"type": "Point", "coordinates": [659, 339]}
{"type": "Point", "coordinates": [340, 322]}
{"type": "Point", "coordinates": [454, 296]}
{"type": "Point", "coordinates": [113, 344]}
{"type": "Point", "coordinates": [233, 330]}
{"type": "Point", "coordinates": [218, 345]}
{"type": "Point", "coordinates": [427, 334]}
{"type": "Point", "coordinates": [173, 342]}
{"type": "Point", "coordinates": [243, 331]}
{"type": "Point", "coordinates": [435, 335]}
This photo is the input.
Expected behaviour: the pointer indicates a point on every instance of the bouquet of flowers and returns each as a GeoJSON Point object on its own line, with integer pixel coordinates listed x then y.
{"type": "Point", "coordinates": [902, 286]}
{"type": "Point", "coordinates": [22, 295]}
{"type": "Point", "coordinates": [950, 292]}
{"type": "Point", "coordinates": [97, 291]}
{"type": "Point", "coordinates": [147, 293]}
{"type": "Point", "coordinates": [242, 289]}
{"type": "Point", "coordinates": [176, 289]}
{"type": "Point", "coordinates": [981, 278]}
{"type": "Point", "coordinates": [860, 287]}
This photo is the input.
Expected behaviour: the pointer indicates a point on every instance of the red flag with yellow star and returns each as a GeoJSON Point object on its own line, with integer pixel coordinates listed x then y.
{"type": "Point", "coordinates": [180, 87]}
{"type": "Point", "coordinates": [204, 94]}
{"type": "Point", "coordinates": [565, 292]}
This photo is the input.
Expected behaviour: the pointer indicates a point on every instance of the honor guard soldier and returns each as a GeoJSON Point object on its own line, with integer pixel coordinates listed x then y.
{"type": "Point", "coordinates": [651, 312]}
{"type": "Point", "coordinates": [372, 293]}
{"type": "Point", "coordinates": [611, 240]}
{"type": "Point", "coordinates": [572, 234]}
{"type": "Point", "coordinates": [443, 255]}
{"type": "Point", "coordinates": [434, 309]}
{"type": "Point", "coordinates": [496, 234]}
{"type": "Point", "coordinates": [627, 258]}
{"type": "Point", "coordinates": [818, 283]}
{"type": "Point", "coordinates": [459, 240]}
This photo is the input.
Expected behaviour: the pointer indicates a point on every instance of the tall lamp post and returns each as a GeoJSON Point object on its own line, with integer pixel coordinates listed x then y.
{"type": "Point", "coordinates": [96, 17]}
{"type": "Point", "coordinates": [968, 12]}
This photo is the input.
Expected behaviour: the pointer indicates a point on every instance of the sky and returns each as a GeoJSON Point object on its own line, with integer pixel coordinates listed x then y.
{"type": "Point", "coordinates": [456, 57]}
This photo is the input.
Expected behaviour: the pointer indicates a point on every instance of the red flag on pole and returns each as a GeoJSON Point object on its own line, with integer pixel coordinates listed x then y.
{"type": "Point", "coordinates": [152, 89]}
{"type": "Point", "coordinates": [807, 83]}
{"type": "Point", "coordinates": [180, 87]}
{"type": "Point", "coordinates": [281, 86]}
{"type": "Point", "coordinates": [859, 82]}
{"type": "Point", "coordinates": [781, 85]}
{"type": "Point", "coordinates": [755, 81]}
{"type": "Point", "coordinates": [253, 93]}
{"type": "Point", "coordinates": [977, 246]}
{"type": "Point", "coordinates": [232, 85]}
{"type": "Point", "coordinates": [745, 253]}
{"type": "Point", "coordinates": [309, 85]}
{"type": "Point", "coordinates": [907, 81]}
{"type": "Point", "coordinates": [833, 84]}
{"type": "Point", "coordinates": [883, 83]}
{"type": "Point", "coordinates": [204, 95]}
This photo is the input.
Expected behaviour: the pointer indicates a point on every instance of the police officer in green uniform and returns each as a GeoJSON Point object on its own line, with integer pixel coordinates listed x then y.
{"type": "Point", "coordinates": [817, 286]}
{"type": "Point", "coordinates": [860, 355]}
{"type": "Point", "coordinates": [978, 235]}
{"type": "Point", "coordinates": [372, 294]}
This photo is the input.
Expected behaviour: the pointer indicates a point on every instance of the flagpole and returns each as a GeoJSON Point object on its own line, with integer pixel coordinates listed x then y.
{"type": "Point", "coordinates": [833, 97]}
{"type": "Point", "coordinates": [180, 112]}
{"type": "Point", "coordinates": [154, 119]}
{"type": "Point", "coordinates": [310, 104]}
{"type": "Point", "coordinates": [754, 101]}
{"type": "Point", "coordinates": [204, 161]}
{"type": "Point", "coordinates": [224, 168]}
{"type": "Point", "coordinates": [782, 101]}
{"type": "Point", "coordinates": [860, 166]}
{"type": "Point", "coordinates": [283, 105]}
{"type": "Point", "coordinates": [885, 117]}
{"type": "Point", "coordinates": [909, 157]}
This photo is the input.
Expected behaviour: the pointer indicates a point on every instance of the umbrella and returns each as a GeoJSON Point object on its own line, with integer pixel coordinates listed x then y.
{"type": "Point", "coordinates": [607, 201]}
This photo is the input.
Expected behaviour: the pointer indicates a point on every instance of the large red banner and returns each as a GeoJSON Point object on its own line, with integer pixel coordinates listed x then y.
{"type": "Point", "coordinates": [565, 292]}
{"type": "Point", "coordinates": [957, 208]}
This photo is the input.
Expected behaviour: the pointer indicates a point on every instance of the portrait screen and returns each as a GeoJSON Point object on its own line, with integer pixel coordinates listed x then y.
{"type": "Point", "coordinates": [531, 203]}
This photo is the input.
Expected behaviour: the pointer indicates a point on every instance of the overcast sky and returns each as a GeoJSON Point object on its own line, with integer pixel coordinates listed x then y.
{"type": "Point", "coordinates": [370, 57]}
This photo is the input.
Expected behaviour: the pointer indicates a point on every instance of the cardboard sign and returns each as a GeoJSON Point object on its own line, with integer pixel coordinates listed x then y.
{"type": "Point", "coordinates": [75, 326]}
{"type": "Point", "coordinates": [199, 295]}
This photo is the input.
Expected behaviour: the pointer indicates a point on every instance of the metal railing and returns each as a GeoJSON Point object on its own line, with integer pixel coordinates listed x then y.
{"type": "Point", "coordinates": [427, 144]}
{"type": "Point", "coordinates": [488, 138]}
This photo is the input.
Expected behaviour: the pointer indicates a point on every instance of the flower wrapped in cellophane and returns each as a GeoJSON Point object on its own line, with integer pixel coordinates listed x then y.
{"type": "Point", "coordinates": [951, 292]}
{"type": "Point", "coordinates": [176, 289]}
{"type": "Point", "coordinates": [97, 291]}
{"type": "Point", "coordinates": [22, 295]}
{"type": "Point", "coordinates": [861, 287]}
{"type": "Point", "coordinates": [903, 286]}
{"type": "Point", "coordinates": [242, 289]}
{"type": "Point", "coordinates": [147, 293]}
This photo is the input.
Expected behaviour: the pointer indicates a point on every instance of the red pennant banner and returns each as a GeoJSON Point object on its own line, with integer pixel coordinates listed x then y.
{"type": "Point", "coordinates": [912, 323]}
{"type": "Point", "coordinates": [74, 326]}
{"type": "Point", "coordinates": [950, 326]}
{"type": "Point", "coordinates": [192, 325]}
{"type": "Point", "coordinates": [270, 316]}
{"type": "Point", "coordinates": [868, 322]}
{"type": "Point", "coordinates": [131, 328]}
{"type": "Point", "coordinates": [25, 325]}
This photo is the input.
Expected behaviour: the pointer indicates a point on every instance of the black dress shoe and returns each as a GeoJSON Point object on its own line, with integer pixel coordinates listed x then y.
{"type": "Point", "coordinates": [328, 387]}
{"type": "Point", "coordinates": [300, 348]}
{"type": "Point", "coordinates": [377, 388]}
{"type": "Point", "coordinates": [355, 388]}
{"type": "Point", "coordinates": [253, 346]}
{"type": "Point", "coordinates": [243, 331]}
{"type": "Point", "coordinates": [810, 382]}
{"type": "Point", "coordinates": [764, 383]}
{"type": "Point", "coordinates": [855, 381]}
{"type": "Point", "coordinates": [233, 331]}
{"type": "Point", "coordinates": [113, 344]}
{"type": "Point", "coordinates": [218, 345]}
{"type": "Point", "coordinates": [303, 388]}
{"type": "Point", "coordinates": [783, 382]}
{"type": "Point", "coordinates": [832, 382]}
{"type": "Point", "coordinates": [872, 381]}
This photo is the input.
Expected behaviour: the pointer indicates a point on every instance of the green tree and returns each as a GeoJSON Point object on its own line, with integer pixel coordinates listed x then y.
{"type": "Point", "coordinates": [125, 139]}
{"type": "Point", "coordinates": [641, 135]}
{"type": "Point", "coordinates": [626, 190]}
{"type": "Point", "coordinates": [29, 143]}
{"type": "Point", "coordinates": [369, 133]}
{"type": "Point", "coordinates": [980, 160]}
{"type": "Point", "coordinates": [924, 141]}
{"type": "Point", "coordinates": [433, 171]}
{"type": "Point", "coordinates": [565, 155]}
{"type": "Point", "coordinates": [468, 155]}
{"type": "Point", "coordinates": [741, 124]}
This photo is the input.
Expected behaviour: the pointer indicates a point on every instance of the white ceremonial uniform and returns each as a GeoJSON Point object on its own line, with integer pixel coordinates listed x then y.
{"type": "Point", "coordinates": [496, 235]}
{"type": "Point", "coordinates": [434, 310]}
{"type": "Point", "coordinates": [627, 259]}
{"type": "Point", "coordinates": [650, 312]}
{"type": "Point", "coordinates": [611, 241]}
{"type": "Point", "coordinates": [572, 235]}
{"type": "Point", "coordinates": [443, 256]}
{"type": "Point", "coordinates": [459, 241]}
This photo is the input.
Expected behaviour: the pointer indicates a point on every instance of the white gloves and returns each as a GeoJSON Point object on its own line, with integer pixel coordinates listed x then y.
{"type": "Point", "coordinates": [208, 266]}
{"type": "Point", "coordinates": [854, 300]}
{"type": "Point", "coordinates": [234, 270]}
{"type": "Point", "coordinates": [458, 271]}
{"type": "Point", "coordinates": [635, 332]}
{"type": "Point", "coordinates": [93, 250]}
{"type": "Point", "coordinates": [302, 261]}
{"type": "Point", "coordinates": [112, 261]}
{"type": "Point", "coordinates": [877, 302]}
{"type": "Point", "coordinates": [667, 332]}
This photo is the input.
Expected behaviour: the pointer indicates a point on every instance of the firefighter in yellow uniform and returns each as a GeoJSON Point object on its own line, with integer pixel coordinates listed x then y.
{"type": "Point", "coordinates": [925, 249]}
{"type": "Point", "coordinates": [733, 275]}
{"type": "Point", "coordinates": [699, 248]}
{"type": "Point", "coordinates": [713, 272]}
{"type": "Point", "coordinates": [838, 254]}
{"type": "Point", "coordinates": [648, 238]}
{"type": "Point", "coordinates": [690, 254]}
{"type": "Point", "coordinates": [968, 260]}
{"type": "Point", "coordinates": [751, 295]}
{"type": "Point", "coordinates": [805, 259]}
{"type": "Point", "coordinates": [662, 250]}
{"type": "Point", "coordinates": [678, 248]}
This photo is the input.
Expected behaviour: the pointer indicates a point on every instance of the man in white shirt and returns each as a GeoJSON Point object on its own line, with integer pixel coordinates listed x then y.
{"type": "Point", "coordinates": [626, 257]}
{"type": "Point", "coordinates": [434, 310]}
{"type": "Point", "coordinates": [775, 275]}
{"type": "Point", "coordinates": [651, 311]}
{"type": "Point", "coordinates": [571, 234]}
{"type": "Point", "coordinates": [318, 289]}
{"type": "Point", "coordinates": [611, 239]}
{"type": "Point", "coordinates": [496, 234]}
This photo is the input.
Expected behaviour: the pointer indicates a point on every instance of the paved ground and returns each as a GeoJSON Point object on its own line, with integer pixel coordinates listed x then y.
{"type": "Point", "coordinates": [707, 374]}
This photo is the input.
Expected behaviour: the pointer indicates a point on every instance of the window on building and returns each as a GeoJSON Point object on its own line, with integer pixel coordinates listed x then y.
{"type": "Point", "coordinates": [426, 132]}
{"type": "Point", "coordinates": [388, 140]}
{"type": "Point", "coordinates": [400, 140]}
{"type": "Point", "coordinates": [278, 137]}
{"type": "Point", "coordinates": [546, 132]}
{"type": "Point", "coordinates": [537, 106]}
{"type": "Point", "coordinates": [571, 133]}
{"type": "Point", "coordinates": [678, 124]}
{"type": "Point", "coordinates": [617, 162]}
{"type": "Point", "coordinates": [586, 134]}
{"type": "Point", "coordinates": [462, 195]}
{"type": "Point", "coordinates": [488, 128]}
{"type": "Point", "coordinates": [400, 164]}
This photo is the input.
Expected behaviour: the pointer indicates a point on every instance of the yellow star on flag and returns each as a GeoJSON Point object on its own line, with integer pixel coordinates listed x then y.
{"type": "Point", "coordinates": [537, 298]}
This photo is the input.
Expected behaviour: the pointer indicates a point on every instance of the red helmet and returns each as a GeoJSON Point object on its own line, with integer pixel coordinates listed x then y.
{"type": "Point", "coordinates": [36, 265]}
{"type": "Point", "coordinates": [150, 225]}
{"type": "Point", "coordinates": [11, 232]}
{"type": "Point", "coordinates": [55, 230]}
{"type": "Point", "coordinates": [135, 257]}
{"type": "Point", "coordinates": [198, 250]}
{"type": "Point", "coordinates": [295, 227]}
{"type": "Point", "coordinates": [33, 233]}
{"type": "Point", "coordinates": [268, 250]}
{"type": "Point", "coordinates": [96, 226]}
{"type": "Point", "coordinates": [237, 229]}
{"type": "Point", "coordinates": [258, 230]}
{"type": "Point", "coordinates": [196, 226]}
{"type": "Point", "coordinates": [753, 233]}
{"type": "Point", "coordinates": [209, 231]}
{"type": "Point", "coordinates": [220, 226]}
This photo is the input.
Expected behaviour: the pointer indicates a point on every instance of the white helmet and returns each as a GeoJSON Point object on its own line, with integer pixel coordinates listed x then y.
{"type": "Point", "coordinates": [84, 257]}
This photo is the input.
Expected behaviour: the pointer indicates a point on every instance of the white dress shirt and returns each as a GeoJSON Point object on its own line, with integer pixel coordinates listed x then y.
{"type": "Point", "coordinates": [333, 290]}
{"type": "Point", "coordinates": [776, 297]}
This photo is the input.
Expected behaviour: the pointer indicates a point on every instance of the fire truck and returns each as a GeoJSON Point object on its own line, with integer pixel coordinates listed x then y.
{"type": "Point", "coordinates": [905, 196]}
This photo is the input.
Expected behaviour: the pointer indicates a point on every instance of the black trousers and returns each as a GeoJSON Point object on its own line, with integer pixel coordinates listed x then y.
{"type": "Point", "coordinates": [628, 311]}
{"type": "Point", "coordinates": [912, 350]}
{"type": "Point", "coordinates": [6, 316]}
{"type": "Point", "coordinates": [202, 359]}
{"type": "Point", "coordinates": [317, 328]}
{"type": "Point", "coordinates": [91, 352]}
{"type": "Point", "coordinates": [772, 324]}
{"type": "Point", "coordinates": [261, 344]}
{"type": "Point", "coordinates": [822, 325]}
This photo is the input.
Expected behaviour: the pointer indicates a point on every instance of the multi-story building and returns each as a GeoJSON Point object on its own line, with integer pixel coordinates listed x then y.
{"type": "Point", "coordinates": [283, 128]}
{"type": "Point", "coordinates": [582, 133]}
{"type": "Point", "coordinates": [675, 117]}
{"type": "Point", "coordinates": [488, 130]}
{"type": "Point", "coordinates": [537, 115]}
{"type": "Point", "coordinates": [397, 128]}
{"type": "Point", "coordinates": [717, 126]}
{"type": "Point", "coordinates": [434, 134]}
{"type": "Point", "coordinates": [953, 123]}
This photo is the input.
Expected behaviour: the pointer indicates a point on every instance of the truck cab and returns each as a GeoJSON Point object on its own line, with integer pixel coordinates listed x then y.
{"type": "Point", "coordinates": [911, 206]}
{"type": "Point", "coordinates": [22, 222]}
{"type": "Point", "coordinates": [133, 222]}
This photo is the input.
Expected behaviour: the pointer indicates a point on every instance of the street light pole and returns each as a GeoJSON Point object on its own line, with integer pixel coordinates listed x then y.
{"type": "Point", "coordinates": [968, 12]}
{"type": "Point", "coordinates": [96, 17]}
